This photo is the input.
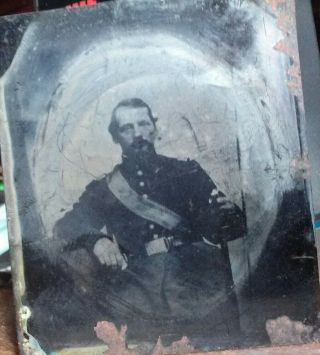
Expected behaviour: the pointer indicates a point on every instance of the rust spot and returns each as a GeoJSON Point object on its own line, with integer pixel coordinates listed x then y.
{"type": "Point", "coordinates": [283, 330]}
{"type": "Point", "coordinates": [285, 22]}
{"type": "Point", "coordinates": [301, 168]}
{"type": "Point", "coordinates": [117, 345]}
{"type": "Point", "coordinates": [182, 346]}
{"type": "Point", "coordinates": [285, 11]}
{"type": "Point", "coordinates": [284, 47]}
{"type": "Point", "coordinates": [294, 70]}
{"type": "Point", "coordinates": [275, 4]}
{"type": "Point", "coordinates": [293, 84]}
{"type": "Point", "coordinates": [113, 338]}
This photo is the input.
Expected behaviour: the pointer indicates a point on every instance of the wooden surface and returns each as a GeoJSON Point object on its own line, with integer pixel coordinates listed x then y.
{"type": "Point", "coordinates": [8, 338]}
{"type": "Point", "coordinates": [10, 7]}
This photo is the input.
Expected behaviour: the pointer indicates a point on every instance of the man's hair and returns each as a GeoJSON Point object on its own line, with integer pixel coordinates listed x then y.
{"type": "Point", "coordinates": [134, 103]}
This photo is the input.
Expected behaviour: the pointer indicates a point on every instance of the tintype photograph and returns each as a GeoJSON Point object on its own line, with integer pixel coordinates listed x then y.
{"type": "Point", "coordinates": [156, 176]}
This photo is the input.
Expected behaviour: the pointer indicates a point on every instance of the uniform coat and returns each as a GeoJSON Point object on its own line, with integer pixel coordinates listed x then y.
{"type": "Point", "coordinates": [166, 293]}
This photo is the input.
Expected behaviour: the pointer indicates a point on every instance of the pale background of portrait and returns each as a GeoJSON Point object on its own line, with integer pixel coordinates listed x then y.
{"type": "Point", "coordinates": [203, 106]}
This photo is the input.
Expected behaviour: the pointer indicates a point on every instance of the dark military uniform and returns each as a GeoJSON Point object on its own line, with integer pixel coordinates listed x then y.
{"type": "Point", "coordinates": [168, 292]}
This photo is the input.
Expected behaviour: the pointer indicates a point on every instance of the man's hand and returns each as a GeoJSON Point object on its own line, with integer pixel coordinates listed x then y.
{"type": "Point", "coordinates": [231, 220]}
{"type": "Point", "coordinates": [223, 202]}
{"type": "Point", "coordinates": [109, 254]}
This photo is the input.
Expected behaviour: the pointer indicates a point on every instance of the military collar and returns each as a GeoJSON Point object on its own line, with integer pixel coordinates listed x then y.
{"type": "Point", "coordinates": [150, 166]}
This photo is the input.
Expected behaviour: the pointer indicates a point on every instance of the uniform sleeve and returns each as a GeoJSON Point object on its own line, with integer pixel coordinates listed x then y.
{"type": "Point", "coordinates": [80, 227]}
{"type": "Point", "coordinates": [209, 220]}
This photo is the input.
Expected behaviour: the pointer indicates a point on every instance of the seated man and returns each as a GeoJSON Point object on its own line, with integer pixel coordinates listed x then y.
{"type": "Point", "coordinates": [146, 244]}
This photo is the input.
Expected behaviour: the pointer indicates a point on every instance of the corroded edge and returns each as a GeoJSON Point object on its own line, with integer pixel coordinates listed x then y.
{"type": "Point", "coordinates": [14, 229]}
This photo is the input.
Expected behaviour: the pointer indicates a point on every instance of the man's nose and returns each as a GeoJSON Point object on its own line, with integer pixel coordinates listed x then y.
{"type": "Point", "coordinates": [137, 131]}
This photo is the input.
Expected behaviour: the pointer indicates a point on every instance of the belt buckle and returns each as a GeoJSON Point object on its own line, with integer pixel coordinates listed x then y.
{"type": "Point", "coordinates": [158, 246]}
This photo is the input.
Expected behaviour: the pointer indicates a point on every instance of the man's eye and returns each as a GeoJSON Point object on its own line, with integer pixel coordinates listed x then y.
{"type": "Point", "coordinates": [124, 129]}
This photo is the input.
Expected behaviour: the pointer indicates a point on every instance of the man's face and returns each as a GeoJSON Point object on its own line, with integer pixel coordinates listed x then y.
{"type": "Point", "coordinates": [136, 132]}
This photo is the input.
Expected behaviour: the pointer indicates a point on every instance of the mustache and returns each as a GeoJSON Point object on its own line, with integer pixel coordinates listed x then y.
{"type": "Point", "coordinates": [140, 142]}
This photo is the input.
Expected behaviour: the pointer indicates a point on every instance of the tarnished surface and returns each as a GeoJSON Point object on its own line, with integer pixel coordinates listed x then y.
{"type": "Point", "coordinates": [288, 47]}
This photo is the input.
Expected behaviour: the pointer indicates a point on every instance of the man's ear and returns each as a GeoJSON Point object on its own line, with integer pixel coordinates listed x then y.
{"type": "Point", "coordinates": [157, 134]}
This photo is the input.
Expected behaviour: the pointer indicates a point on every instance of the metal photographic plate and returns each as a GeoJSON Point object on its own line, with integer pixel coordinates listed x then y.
{"type": "Point", "coordinates": [157, 179]}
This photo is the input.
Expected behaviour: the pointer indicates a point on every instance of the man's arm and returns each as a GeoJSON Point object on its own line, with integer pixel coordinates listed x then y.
{"type": "Point", "coordinates": [214, 217]}
{"type": "Point", "coordinates": [81, 228]}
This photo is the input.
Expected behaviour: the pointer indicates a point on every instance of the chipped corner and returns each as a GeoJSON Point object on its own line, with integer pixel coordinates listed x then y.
{"type": "Point", "coordinates": [30, 345]}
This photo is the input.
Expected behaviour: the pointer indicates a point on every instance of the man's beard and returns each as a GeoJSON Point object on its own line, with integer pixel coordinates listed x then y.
{"type": "Point", "coordinates": [140, 150]}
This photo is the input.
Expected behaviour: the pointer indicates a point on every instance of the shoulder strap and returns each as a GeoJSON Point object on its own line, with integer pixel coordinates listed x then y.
{"type": "Point", "coordinates": [141, 206]}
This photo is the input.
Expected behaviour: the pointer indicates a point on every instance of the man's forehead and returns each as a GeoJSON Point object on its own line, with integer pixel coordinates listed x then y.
{"type": "Point", "coordinates": [131, 114]}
